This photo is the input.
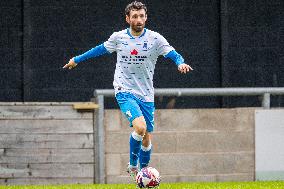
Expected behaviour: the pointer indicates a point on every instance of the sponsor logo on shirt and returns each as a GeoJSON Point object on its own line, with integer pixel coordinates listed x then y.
{"type": "Point", "coordinates": [133, 58]}
{"type": "Point", "coordinates": [134, 52]}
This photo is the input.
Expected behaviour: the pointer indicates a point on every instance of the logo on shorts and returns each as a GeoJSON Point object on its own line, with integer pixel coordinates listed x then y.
{"type": "Point", "coordinates": [128, 113]}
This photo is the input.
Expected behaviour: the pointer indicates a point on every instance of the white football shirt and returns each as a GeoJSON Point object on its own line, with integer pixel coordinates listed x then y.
{"type": "Point", "coordinates": [136, 60]}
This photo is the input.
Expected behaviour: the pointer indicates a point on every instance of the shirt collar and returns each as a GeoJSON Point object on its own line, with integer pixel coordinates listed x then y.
{"type": "Point", "coordinates": [132, 37]}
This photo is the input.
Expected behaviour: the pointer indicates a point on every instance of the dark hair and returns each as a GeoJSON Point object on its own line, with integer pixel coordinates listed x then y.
{"type": "Point", "coordinates": [135, 5]}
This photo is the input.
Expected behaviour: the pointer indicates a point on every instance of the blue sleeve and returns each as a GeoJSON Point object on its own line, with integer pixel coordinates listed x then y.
{"type": "Point", "coordinates": [96, 51]}
{"type": "Point", "coordinates": [176, 57]}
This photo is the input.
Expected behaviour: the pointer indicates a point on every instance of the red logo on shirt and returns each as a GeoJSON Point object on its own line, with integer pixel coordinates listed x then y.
{"type": "Point", "coordinates": [134, 52]}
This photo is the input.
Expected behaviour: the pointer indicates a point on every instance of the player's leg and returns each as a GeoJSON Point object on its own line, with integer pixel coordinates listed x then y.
{"type": "Point", "coordinates": [135, 142]}
{"type": "Point", "coordinates": [145, 151]}
{"type": "Point", "coordinates": [148, 110]}
{"type": "Point", "coordinates": [128, 105]}
{"type": "Point", "coordinates": [136, 138]}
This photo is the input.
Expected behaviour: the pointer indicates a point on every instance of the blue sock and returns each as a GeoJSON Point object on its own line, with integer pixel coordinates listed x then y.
{"type": "Point", "coordinates": [145, 156]}
{"type": "Point", "coordinates": [135, 146]}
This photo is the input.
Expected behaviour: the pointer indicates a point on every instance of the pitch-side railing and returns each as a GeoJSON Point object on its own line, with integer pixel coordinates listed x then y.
{"type": "Point", "coordinates": [101, 93]}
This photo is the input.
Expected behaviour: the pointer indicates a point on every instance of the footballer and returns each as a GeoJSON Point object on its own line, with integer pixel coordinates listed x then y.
{"type": "Point", "coordinates": [137, 50]}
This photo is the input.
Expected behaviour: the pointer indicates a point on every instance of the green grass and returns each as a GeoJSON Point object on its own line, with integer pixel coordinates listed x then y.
{"type": "Point", "coordinates": [204, 185]}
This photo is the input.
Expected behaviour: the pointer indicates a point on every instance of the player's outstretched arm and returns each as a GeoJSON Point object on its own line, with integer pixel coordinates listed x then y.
{"type": "Point", "coordinates": [94, 52]}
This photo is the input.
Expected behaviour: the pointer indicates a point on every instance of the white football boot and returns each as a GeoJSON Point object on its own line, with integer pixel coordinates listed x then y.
{"type": "Point", "coordinates": [132, 171]}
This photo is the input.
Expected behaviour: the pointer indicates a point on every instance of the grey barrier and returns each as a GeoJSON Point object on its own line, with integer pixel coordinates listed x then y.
{"type": "Point", "coordinates": [99, 95]}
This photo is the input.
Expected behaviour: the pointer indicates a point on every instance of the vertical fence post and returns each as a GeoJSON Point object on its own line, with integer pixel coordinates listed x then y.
{"type": "Point", "coordinates": [266, 100]}
{"type": "Point", "coordinates": [100, 143]}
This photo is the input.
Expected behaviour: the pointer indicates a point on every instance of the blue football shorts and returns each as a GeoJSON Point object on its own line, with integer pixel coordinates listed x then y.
{"type": "Point", "coordinates": [132, 107]}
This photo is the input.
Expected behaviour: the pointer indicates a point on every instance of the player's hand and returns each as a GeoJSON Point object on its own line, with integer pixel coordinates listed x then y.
{"type": "Point", "coordinates": [71, 64]}
{"type": "Point", "coordinates": [184, 68]}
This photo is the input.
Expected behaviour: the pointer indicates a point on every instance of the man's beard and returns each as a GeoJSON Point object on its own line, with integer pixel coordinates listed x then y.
{"type": "Point", "coordinates": [137, 28]}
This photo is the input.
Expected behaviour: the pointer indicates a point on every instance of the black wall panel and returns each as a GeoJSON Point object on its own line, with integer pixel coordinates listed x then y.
{"type": "Point", "coordinates": [11, 50]}
{"type": "Point", "coordinates": [228, 43]}
{"type": "Point", "coordinates": [252, 47]}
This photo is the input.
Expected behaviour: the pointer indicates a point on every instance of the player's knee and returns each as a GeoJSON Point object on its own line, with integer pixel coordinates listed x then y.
{"type": "Point", "coordinates": [139, 125]}
{"type": "Point", "coordinates": [141, 130]}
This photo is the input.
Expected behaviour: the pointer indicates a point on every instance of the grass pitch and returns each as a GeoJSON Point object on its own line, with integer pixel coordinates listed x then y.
{"type": "Point", "coordinates": [204, 185]}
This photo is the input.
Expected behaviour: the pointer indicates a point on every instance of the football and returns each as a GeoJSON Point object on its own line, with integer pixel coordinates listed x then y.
{"type": "Point", "coordinates": [148, 177]}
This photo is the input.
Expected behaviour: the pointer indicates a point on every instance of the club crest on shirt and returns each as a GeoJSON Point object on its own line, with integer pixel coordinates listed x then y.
{"type": "Point", "coordinates": [145, 46]}
{"type": "Point", "coordinates": [134, 52]}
